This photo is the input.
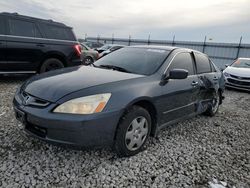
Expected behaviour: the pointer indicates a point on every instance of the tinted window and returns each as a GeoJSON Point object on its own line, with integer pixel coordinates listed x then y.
{"type": "Point", "coordinates": [1, 26]}
{"type": "Point", "coordinates": [202, 63]}
{"type": "Point", "coordinates": [23, 28]}
{"type": "Point", "coordinates": [183, 61]}
{"type": "Point", "coordinates": [55, 32]}
{"type": "Point", "coordinates": [136, 60]}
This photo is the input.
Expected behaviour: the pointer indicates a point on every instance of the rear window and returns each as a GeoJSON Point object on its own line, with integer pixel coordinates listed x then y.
{"type": "Point", "coordinates": [2, 26]}
{"type": "Point", "coordinates": [202, 63]}
{"type": "Point", "coordinates": [55, 32]}
{"type": "Point", "coordinates": [23, 28]}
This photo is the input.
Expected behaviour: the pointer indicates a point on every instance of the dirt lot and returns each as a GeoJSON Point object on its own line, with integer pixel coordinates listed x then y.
{"type": "Point", "coordinates": [195, 153]}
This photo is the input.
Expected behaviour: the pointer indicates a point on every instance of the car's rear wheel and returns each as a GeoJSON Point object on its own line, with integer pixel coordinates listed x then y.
{"type": "Point", "coordinates": [214, 106]}
{"type": "Point", "coordinates": [133, 131]}
{"type": "Point", "coordinates": [51, 64]}
{"type": "Point", "coordinates": [88, 60]}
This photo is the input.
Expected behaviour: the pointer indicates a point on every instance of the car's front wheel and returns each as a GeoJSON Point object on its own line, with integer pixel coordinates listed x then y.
{"type": "Point", "coordinates": [133, 131]}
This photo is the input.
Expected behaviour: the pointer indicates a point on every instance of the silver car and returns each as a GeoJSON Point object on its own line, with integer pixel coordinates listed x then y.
{"type": "Point", "coordinates": [88, 55]}
{"type": "Point", "coordinates": [237, 75]}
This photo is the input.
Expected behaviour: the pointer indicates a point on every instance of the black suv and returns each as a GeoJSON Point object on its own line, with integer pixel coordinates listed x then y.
{"type": "Point", "coordinates": [32, 45]}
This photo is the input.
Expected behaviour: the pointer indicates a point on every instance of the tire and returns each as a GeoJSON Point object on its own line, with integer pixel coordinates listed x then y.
{"type": "Point", "coordinates": [51, 64]}
{"type": "Point", "coordinates": [88, 60]}
{"type": "Point", "coordinates": [132, 132]}
{"type": "Point", "coordinates": [214, 106]}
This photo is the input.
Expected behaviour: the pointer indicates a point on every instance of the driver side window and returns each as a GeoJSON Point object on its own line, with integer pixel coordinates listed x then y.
{"type": "Point", "coordinates": [183, 61]}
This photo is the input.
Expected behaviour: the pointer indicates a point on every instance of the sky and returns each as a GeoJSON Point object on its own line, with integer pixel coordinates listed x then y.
{"type": "Point", "coordinates": [187, 20]}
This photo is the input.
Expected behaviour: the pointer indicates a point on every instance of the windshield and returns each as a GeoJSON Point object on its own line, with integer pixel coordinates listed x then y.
{"type": "Point", "coordinates": [144, 61]}
{"type": "Point", "coordinates": [241, 63]}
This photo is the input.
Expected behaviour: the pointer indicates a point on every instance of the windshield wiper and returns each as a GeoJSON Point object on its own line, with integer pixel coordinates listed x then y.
{"type": "Point", "coordinates": [114, 67]}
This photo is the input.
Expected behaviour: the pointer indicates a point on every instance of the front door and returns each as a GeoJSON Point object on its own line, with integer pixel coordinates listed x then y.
{"type": "Point", "coordinates": [180, 96]}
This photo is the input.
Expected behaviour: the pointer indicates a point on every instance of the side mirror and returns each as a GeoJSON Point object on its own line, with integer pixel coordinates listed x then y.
{"type": "Point", "coordinates": [178, 74]}
{"type": "Point", "coordinates": [174, 74]}
{"type": "Point", "coordinates": [227, 65]}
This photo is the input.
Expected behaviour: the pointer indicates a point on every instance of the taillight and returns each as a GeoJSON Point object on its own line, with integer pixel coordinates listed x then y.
{"type": "Point", "coordinates": [78, 49]}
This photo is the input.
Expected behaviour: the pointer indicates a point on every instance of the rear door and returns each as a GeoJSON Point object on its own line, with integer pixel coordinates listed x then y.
{"type": "Point", "coordinates": [208, 76]}
{"type": "Point", "coordinates": [180, 96]}
{"type": "Point", "coordinates": [23, 50]}
{"type": "Point", "coordinates": [2, 42]}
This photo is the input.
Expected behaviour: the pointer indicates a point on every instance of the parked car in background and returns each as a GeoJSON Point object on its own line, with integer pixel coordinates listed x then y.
{"type": "Point", "coordinates": [93, 45]}
{"type": "Point", "coordinates": [107, 47]}
{"type": "Point", "coordinates": [88, 55]}
{"type": "Point", "coordinates": [237, 75]}
{"type": "Point", "coordinates": [32, 45]}
{"type": "Point", "coordinates": [122, 99]}
{"type": "Point", "coordinates": [111, 49]}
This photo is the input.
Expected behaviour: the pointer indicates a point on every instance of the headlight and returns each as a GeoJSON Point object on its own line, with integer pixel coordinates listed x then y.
{"type": "Point", "coordinates": [226, 74]}
{"type": "Point", "coordinates": [84, 105]}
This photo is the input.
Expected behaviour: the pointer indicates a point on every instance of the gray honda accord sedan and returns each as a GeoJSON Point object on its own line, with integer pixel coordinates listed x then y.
{"type": "Point", "coordinates": [121, 99]}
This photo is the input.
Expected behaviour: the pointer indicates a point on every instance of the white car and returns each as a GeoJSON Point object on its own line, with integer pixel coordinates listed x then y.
{"type": "Point", "coordinates": [237, 75]}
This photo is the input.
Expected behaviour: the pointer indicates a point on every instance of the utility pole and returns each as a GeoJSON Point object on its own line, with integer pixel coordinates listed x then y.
{"type": "Point", "coordinates": [173, 41]}
{"type": "Point", "coordinates": [112, 38]}
{"type": "Point", "coordinates": [239, 46]}
{"type": "Point", "coordinates": [204, 44]}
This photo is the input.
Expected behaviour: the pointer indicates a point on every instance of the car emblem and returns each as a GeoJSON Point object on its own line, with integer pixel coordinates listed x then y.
{"type": "Point", "coordinates": [27, 100]}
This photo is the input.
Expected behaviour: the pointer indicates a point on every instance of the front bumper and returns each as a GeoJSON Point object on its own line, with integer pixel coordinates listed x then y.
{"type": "Point", "coordinates": [81, 130]}
{"type": "Point", "coordinates": [237, 83]}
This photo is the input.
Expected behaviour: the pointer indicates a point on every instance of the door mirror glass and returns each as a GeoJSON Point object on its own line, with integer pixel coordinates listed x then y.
{"type": "Point", "coordinates": [178, 74]}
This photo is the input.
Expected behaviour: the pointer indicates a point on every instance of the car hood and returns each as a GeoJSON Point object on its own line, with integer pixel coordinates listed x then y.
{"type": "Point", "coordinates": [242, 72]}
{"type": "Point", "coordinates": [54, 85]}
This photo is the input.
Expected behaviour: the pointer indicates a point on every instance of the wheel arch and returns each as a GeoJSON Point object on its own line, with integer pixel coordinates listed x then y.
{"type": "Point", "coordinates": [56, 55]}
{"type": "Point", "coordinates": [147, 104]}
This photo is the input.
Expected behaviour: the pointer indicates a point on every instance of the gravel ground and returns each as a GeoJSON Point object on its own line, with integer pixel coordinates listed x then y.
{"type": "Point", "coordinates": [199, 152]}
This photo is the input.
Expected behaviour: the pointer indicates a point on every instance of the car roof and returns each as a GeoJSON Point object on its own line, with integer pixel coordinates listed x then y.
{"type": "Point", "coordinates": [16, 15]}
{"type": "Point", "coordinates": [170, 48]}
{"type": "Point", "coordinates": [244, 58]}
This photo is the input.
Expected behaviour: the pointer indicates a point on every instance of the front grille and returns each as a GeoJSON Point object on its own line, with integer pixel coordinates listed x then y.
{"type": "Point", "coordinates": [29, 100]}
{"type": "Point", "coordinates": [238, 82]}
{"type": "Point", "coordinates": [239, 77]}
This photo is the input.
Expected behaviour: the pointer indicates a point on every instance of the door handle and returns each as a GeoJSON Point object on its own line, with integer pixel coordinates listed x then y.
{"type": "Point", "coordinates": [194, 83]}
{"type": "Point", "coordinates": [215, 78]}
{"type": "Point", "coordinates": [40, 45]}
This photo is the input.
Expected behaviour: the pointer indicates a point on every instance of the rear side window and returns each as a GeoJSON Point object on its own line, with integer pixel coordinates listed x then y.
{"type": "Point", "coordinates": [202, 63]}
{"type": "Point", "coordinates": [2, 26]}
{"type": "Point", "coordinates": [55, 32]}
{"type": "Point", "coordinates": [23, 28]}
{"type": "Point", "coordinates": [183, 61]}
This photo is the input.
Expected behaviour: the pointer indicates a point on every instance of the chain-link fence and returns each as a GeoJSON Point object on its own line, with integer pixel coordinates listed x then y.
{"type": "Point", "coordinates": [220, 53]}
